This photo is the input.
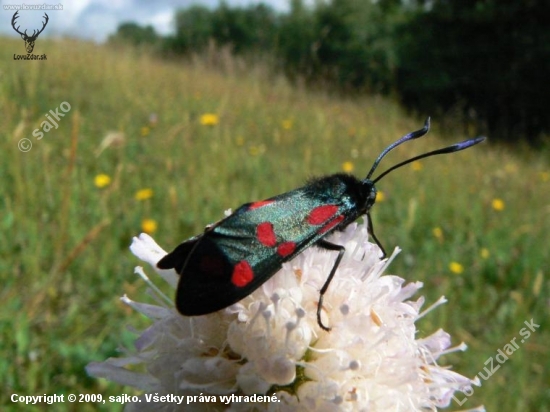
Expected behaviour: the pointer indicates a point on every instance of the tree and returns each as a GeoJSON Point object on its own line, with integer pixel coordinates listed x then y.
{"type": "Point", "coordinates": [135, 34]}
{"type": "Point", "coordinates": [489, 58]}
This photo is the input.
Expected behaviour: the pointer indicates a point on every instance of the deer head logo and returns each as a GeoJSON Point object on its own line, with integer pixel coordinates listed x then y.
{"type": "Point", "coordinates": [29, 40]}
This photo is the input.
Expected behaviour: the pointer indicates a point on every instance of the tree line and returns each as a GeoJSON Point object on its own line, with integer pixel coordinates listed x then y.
{"type": "Point", "coordinates": [484, 62]}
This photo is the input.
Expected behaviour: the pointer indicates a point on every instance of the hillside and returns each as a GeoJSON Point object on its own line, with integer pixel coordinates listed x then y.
{"type": "Point", "coordinates": [166, 147]}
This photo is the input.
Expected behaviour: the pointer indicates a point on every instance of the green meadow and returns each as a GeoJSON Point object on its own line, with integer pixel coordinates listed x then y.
{"type": "Point", "coordinates": [136, 152]}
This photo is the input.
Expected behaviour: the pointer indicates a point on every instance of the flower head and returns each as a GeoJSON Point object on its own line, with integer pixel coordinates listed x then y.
{"type": "Point", "coordinates": [438, 233]}
{"type": "Point", "coordinates": [102, 180]}
{"type": "Point", "coordinates": [149, 225]}
{"type": "Point", "coordinates": [417, 166]}
{"type": "Point", "coordinates": [270, 342]}
{"type": "Point", "coordinates": [145, 130]}
{"type": "Point", "coordinates": [209, 119]}
{"type": "Point", "coordinates": [456, 268]}
{"type": "Point", "coordinates": [144, 194]}
{"type": "Point", "coordinates": [111, 139]}
{"type": "Point", "coordinates": [498, 204]}
{"type": "Point", "coordinates": [153, 119]}
{"type": "Point", "coordinates": [348, 166]}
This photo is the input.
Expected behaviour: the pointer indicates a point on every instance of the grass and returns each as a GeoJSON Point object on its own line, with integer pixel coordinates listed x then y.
{"type": "Point", "coordinates": [64, 255]}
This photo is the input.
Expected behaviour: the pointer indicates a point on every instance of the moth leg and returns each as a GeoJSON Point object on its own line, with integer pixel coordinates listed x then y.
{"type": "Point", "coordinates": [370, 230]}
{"type": "Point", "coordinates": [341, 250]}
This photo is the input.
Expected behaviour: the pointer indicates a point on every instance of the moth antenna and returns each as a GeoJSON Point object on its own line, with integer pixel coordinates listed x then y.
{"type": "Point", "coordinates": [413, 135]}
{"type": "Point", "coordinates": [449, 149]}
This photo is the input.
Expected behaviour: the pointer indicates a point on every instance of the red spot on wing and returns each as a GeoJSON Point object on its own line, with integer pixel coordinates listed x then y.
{"type": "Point", "coordinates": [242, 274]}
{"type": "Point", "coordinates": [261, 203]}
{"type": "Point", "coordinates": [286, 248]}
{"type": "Point", "coordinates": [321, 214]}
{"type": "Point", "coordinates": [266, 235]}
{"type": "Point", "coordinates": [331, 224]}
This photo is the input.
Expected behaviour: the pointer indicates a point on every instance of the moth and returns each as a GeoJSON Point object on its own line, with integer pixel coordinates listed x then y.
{"type": "Point", "coordinates": [236, 255]}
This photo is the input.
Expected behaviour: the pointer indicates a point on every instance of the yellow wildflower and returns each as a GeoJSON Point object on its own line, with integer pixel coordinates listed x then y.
{"type": "Point", "coordinates": [456, 268]}
{"type": "Point", "coordinates": [417, 166]}
{"type": "Point", "coordinates": [287, 124]}
{"type": "Point", "coordinates": [438, 233]}
{"type": "Point", "coordinates": [347, 167]}
{"type": "Point", "coordinates": [144, 194]}
{"type": "Point", "coordinates": [209, 119]}
{"type": "Point", "coordinates": [102, 180]}
{"type": "Point", "coordinates": [498, 204]}
{"type": "Point", "coordinates": [145, 130]}
{"type": "Point", "coordinates": [380, 196]}
{"type": "Point", "coordinates": [484, 253]}
{"type": "Point", "coordinates": [149, 225]}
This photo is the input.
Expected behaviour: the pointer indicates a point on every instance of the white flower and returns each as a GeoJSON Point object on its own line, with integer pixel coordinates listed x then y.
{"type": "Point", "coordinates": [270, 341]}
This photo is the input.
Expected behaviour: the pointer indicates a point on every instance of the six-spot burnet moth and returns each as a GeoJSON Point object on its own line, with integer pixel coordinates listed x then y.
{"type": "Point", "coordinates": [236, 255]}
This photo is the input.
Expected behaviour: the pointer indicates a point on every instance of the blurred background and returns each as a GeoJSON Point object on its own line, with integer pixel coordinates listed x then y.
{"type": "Point", "coordinates": [132, 116]}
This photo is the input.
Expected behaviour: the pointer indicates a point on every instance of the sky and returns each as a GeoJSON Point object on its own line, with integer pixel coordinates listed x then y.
{"type": "Point", "coordinates": [96, 19]}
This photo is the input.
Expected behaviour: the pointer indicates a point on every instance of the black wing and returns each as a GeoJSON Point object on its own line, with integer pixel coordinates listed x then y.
{"type": "Point", "coordinates": [233, 257]}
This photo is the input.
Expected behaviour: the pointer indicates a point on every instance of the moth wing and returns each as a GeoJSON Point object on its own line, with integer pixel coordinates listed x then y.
{"type": "Point", "coordinates": [178, 257]}
{"type": "Point", "coordinates": [233, 257]}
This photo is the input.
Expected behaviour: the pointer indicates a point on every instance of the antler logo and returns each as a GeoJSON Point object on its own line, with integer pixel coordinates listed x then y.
{"type": "Point", "coordinates": [29, 40]}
